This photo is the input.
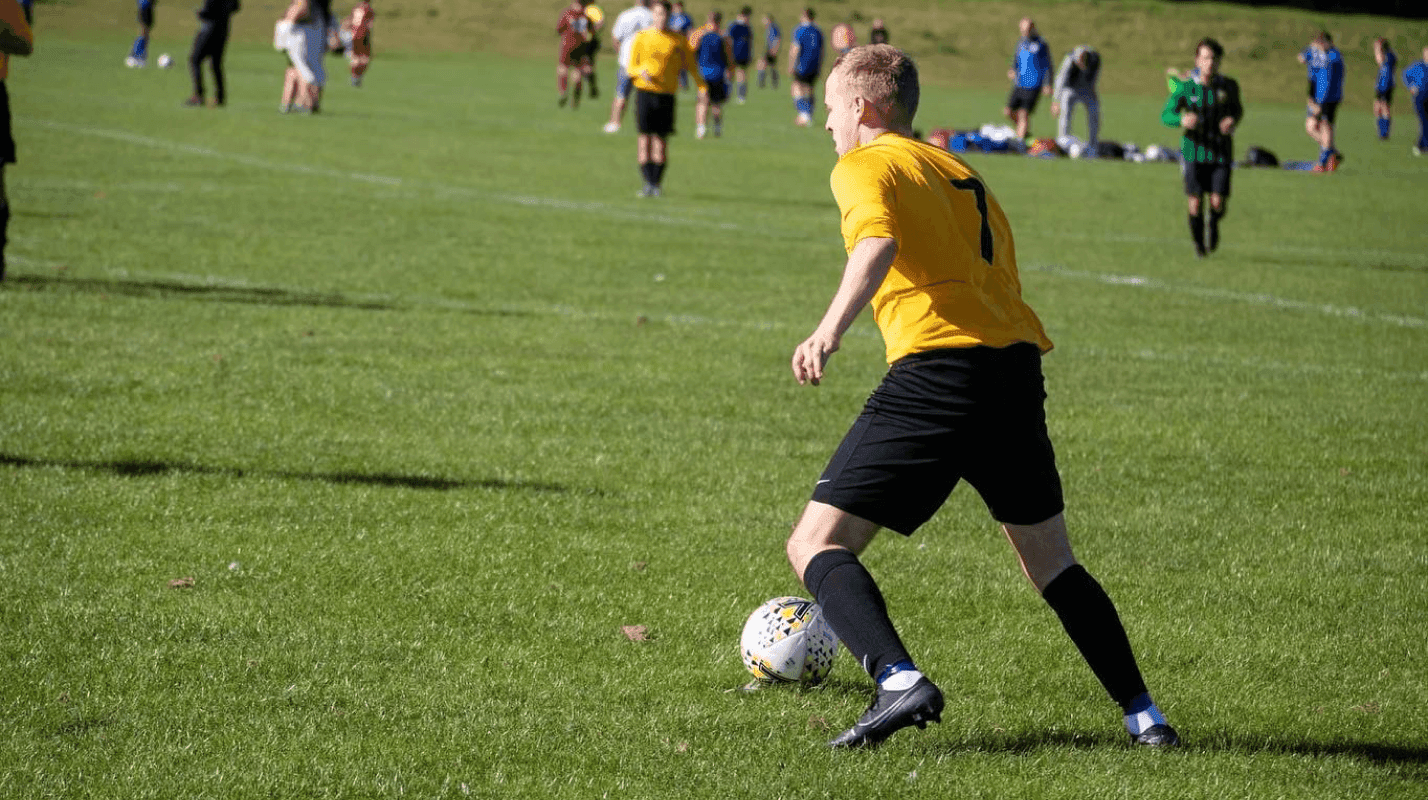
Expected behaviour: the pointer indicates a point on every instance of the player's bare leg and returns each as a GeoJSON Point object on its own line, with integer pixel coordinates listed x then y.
{"type": "Point", "coordinates": [701, 115]}
{"type": "Point", "coordinates": [741, 84]}
{"type": "Point", "coordinates": [290, 90]}
{"type": "Point", "coordinates": [562, 80]}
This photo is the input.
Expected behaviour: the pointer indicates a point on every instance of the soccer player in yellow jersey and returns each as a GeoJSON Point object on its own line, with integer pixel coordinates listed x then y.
{"type": "Point", "coordinates": [656, 58]}
{"type": "Point", "coordinates": [930, 249]}
{"type": "Point", "coordinates": [16, 39]}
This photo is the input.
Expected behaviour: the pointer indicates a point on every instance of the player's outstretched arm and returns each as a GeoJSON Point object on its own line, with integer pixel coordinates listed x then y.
{"type": "Point", "coordinates": [867, 266]}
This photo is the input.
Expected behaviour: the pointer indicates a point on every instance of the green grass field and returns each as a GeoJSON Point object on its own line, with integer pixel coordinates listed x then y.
{"type": "Point", "coordinates": [428, 406]}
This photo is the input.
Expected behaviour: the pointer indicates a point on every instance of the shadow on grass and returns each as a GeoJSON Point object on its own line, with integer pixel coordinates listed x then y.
{"type": "Point", "coordinates": [141, 468]}
{"type": "Point", "coordinates": [221, 293]}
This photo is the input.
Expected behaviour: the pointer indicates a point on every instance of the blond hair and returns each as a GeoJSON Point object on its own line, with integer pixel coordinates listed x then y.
{"type": "Point", "coordinates": [884, 76]}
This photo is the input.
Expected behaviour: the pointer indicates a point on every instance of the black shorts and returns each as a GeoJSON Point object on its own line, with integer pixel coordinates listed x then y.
{"type": "Point", "coordinates": [742, 63]}
{"type": "Point", "coordinates": [1386, 95]}
{"type": "Point", "coordinates": [809, 78]}
{"type": "Point", "coordinates": [771, 58]}
{"type": "Point", "coordinates": [1023, 98]}
{"type": "Point", "coordinates": [718, 92]}
{"type": "Point", "coordinates": [654, 113]}
{"type": "Point", "coordinates": [7, 139]}
{"type": "Point", "coordinates": [1206, 178]}
{"type": "Point", "coordinates": [1327, 112]}
{"type": "Point", "coordinates": [938, 417]}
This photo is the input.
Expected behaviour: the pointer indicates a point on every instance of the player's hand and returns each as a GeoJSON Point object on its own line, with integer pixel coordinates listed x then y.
{"type": "Point", "coordinates": [1011, 75]}
{"type": "Point", "coordinates": [646, 76]}
{"type": "Point", "coordinates": [1055, 109]}
{"type": "Point", "coordinates": [1189, 120]}
{"type": "Point", "coordinates": [811, 356]}
{"type": "Point", "coordinates": [1226, 125]}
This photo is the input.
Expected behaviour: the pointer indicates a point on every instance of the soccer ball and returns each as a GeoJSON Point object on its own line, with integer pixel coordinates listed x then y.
{"type": "Point", "coordinates": [165, 61]}
{"type": "Point", "coordinates": [786, 640]}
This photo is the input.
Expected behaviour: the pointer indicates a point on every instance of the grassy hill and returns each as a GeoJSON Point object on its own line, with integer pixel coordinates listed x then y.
{"type": "Point", "coordinates": [957, 43]}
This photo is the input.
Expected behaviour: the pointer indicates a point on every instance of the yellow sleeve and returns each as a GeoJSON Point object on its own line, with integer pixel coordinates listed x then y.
{"type": "Point", "coordinates": [863, 186]}
{"type": "Point", "coordinates": [691, 65]}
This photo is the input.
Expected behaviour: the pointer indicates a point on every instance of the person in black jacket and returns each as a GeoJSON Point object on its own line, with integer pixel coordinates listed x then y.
{"type": "Point", "coordinates": [212, 37]}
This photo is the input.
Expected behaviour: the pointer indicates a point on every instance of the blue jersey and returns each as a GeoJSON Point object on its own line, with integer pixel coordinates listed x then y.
{"type": "Point", "coordinates": [1032, 63]}
{"type": "Point", "coordinates": [1385, 72]}
{"type": "Point", "coordinates": [741, 41]}
{"type": "Point", "coordinates": [1328, 76]}
{"type": "Point", "coordinates": [1416, 76]}
{"type": "Point", "coordinates": [712, 57]}
{"type": "Point", "coordinates": [774, 34]}
{"type": "Point", "coordinates": [810, 50]}
{"type": "Point", "coordinates": [680, 23]}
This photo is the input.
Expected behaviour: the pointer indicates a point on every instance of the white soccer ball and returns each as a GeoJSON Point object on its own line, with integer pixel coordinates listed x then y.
{"type": "Point", "coordinates": [1076, 150]}
{"type": "Point", "coordinates": [786, 640]}
{"type": "Point", "coordinates": [165, 61]}
{"type": "Point", "coordinates": [1154, 153]}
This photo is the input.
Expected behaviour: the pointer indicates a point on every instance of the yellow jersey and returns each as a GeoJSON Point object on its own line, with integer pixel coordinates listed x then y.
{"type": "Point", "coordinates": [662, 54]}
{"type": "Point", "coordinates": [13, 15]}
{"type": "Point", "coordinates": [954, 281]}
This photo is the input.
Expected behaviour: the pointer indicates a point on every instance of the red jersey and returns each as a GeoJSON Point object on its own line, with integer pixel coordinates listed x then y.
{"type": "Point", "coordinates": [572, 27]}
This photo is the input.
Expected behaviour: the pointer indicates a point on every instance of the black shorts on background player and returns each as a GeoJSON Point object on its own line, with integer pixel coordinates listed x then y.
{"type": "Point", "coordinates": [7, 139]}
{"type": "Point", "coordinates": [809, 78]}
{"type": "Point", "coordinates": [718, 92]}
{"type": "Point", "coordinates": [1386, 95]}
{"type": "Point", "coordinates": [1021, 97]}
{"type": "Point", "coordinates": [1327, 112]}
{"type": "Point", "coordinates": [1206, 179]}
{"type": "Point", "coordinates": [938, 417]}
{"type": "Point", "coordinates": [654, 113]}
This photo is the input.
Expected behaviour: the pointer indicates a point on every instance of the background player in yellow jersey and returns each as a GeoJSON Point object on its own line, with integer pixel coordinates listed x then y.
{"type": "Point", "coordinates": [929, 247]}
{"type": "Point", "coordinates": [657, 56]}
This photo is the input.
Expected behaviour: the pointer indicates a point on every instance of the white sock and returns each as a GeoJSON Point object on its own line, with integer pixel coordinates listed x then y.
{"type": "Point", "coordinates": [1141, 721]}
{"type": "Point", "coordinates": [901, 681]}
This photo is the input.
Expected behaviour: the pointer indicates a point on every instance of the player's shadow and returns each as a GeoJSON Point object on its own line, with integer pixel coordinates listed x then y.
{"type": "Point", "coordinates": [158, 288]}
{"type": "Point", "coordinates": [138, 467]}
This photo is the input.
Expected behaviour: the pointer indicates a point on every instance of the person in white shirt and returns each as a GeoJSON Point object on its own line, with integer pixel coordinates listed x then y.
{"type": "Point", "coordinates": [1076, 83]}
{"type": "Point", "coordinates": [630, 22]}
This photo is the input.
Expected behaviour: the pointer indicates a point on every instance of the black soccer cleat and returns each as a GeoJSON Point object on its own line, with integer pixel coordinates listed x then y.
{"type": "Point", "coordinates": [892, 711]}
{"type": "Point", "coordinates": [1161, 735]}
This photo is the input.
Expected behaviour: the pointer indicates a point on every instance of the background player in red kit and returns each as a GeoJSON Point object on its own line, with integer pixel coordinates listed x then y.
{"type": "Point", "coordinates": [358, 35]}
{"type": "Point", "coordinates": [573, 28]}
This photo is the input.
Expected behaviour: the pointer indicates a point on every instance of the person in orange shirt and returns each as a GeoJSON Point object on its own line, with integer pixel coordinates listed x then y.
{"type": "Point", "coordinates": [16, 39]}
{"type": "Point", "coordinates": [357, 36]}
{"type": "Point", "coordinates": [657, 56]}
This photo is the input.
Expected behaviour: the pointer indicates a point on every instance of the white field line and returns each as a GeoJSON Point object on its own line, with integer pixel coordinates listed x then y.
{"type": "Point", "coordinates": [1346, 312]}
{"type": "Point", "coordinates": [1252, 298]}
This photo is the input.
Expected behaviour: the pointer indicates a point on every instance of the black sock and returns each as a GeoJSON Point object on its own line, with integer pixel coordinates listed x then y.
{"type": "Point", "coordinates": [4, 235]}
{"type": "Point", "coordinates": [1090, 619]}
{"type": "Point", "coordinates": [1197, 232]}
{"type": "Point", "coordinates": [1215, 217]}
{"type": "Point", "coordinates": [854, 608]}
{"type": "Point", "coordinates": [647, 172]}
{"type": "Point", "coordinates": [658, 173]}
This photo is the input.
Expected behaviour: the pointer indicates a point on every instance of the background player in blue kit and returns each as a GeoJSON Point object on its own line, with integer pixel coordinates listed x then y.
{"type": "Point", "coordinates": [1387, 62]}
{"type": "Point", "coordinates": [741, 46]}
{"type": "Point", "coordinates": [713, 54]}
{"type": "Point", "coordinates": [1326, 73]}
{"type": "Point", "coordinates": [1415, 79]}
{"type": "Point", "coordinates": [681, 23]}
{"type": "Point", "coordinates": [768, 65]}
{"type": "Point", "coordinates": [139, 53]}
{"type": "Point", "coordinates": [1030, 76]}
{"type": "Point", "coordinates": [805, 61]}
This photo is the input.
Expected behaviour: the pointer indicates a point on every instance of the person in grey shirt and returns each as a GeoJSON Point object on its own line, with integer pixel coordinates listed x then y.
{"type": "Point", "coordinates": [1076, 83]}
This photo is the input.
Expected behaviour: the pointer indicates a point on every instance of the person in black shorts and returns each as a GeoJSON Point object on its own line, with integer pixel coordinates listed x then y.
{"type": "Point", "coordinates": [1207, 109]}
{"type": "Point", "coordinates": [963, 399]}
{"type": "Point", "coordinates": [16, 39]}
{"type": "Point", "coordinates": [657, 56]}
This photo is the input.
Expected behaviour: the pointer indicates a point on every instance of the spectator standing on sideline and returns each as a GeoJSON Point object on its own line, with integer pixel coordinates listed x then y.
{"type": "Point", "coordinates": [1030, 76]}
{"type": "Point", "coordinates": [656, 60]}
{"type": "Point", "coordinates": [16, 39]}
{"type": "Point", "coordinates": [1207, 109]}
{"type": "Point", "coordinates": [773, 37]}
{"type": "Point", "coordinates": [1415, 79]}
{"type": "Point", "coordinates": [209, 43]}
{"type": "Point", "coordinates": [805, 61]}
{"type": "Point", "coordinates": [1387, 62]}
{"type": "Point", "coordinates": [741, 46]}
{"type": "Point", "coordinates": [139, 53]}
{"type": "Point", "coordinates": [630, 22]}
{"type": "Point", "coordinates": [931, 250]}
{"type": "Point", "coordinates": [1076, 83]}
{"type": "Point", "coordinates": [878, 34]}
{"type": "Point", "coordinates": [1326, 70]}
